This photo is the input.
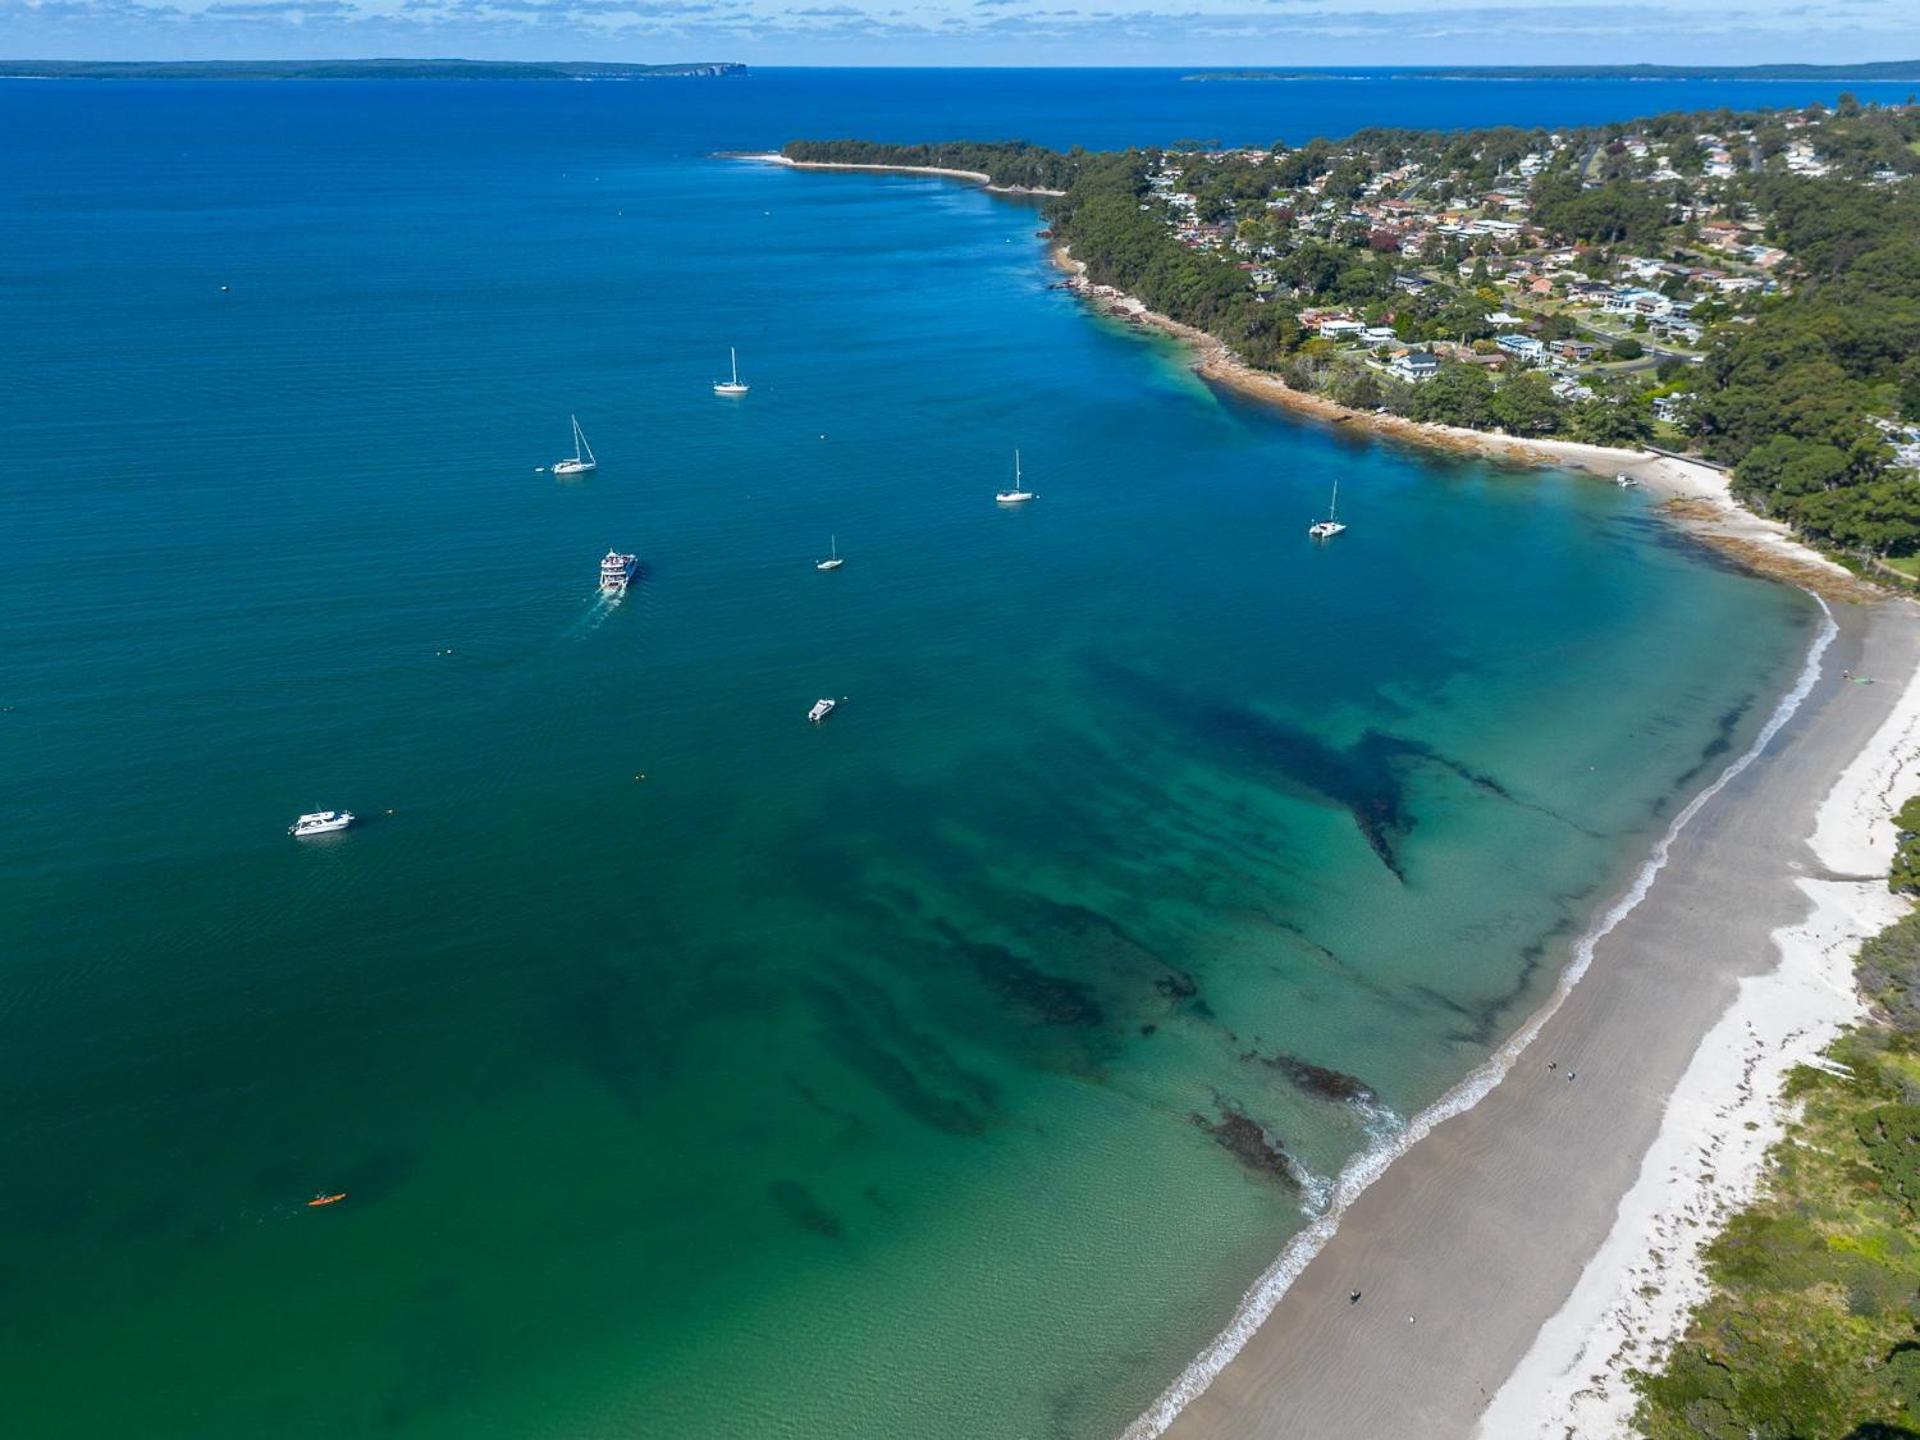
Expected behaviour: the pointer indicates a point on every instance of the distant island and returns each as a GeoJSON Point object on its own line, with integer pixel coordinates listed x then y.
{"type": "Point", "coordinates": [360, 70]}
{"type": "Point", "coordinates": [1875, 70]}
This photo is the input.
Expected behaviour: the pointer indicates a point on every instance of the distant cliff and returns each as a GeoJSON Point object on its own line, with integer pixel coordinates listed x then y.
{"type": "Point", "coordinates": [359, 70]}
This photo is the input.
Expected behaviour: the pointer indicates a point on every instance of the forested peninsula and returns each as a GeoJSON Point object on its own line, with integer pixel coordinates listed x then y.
{"type": "Point", "coordinates": [1744, 286]}
{"type": "Point", "coordinates": [360, 70]}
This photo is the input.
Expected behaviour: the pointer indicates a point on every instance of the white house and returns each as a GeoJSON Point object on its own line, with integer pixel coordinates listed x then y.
{"type": "Point", "coordinates": [1415, 366]}
{"type": "Point", "coordinates": [1523, 347]}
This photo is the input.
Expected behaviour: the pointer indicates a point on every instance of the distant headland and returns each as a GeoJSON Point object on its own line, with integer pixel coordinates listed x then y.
{"type": "Point", "coordinates": [360, 70]}
{"type": "Point", "coordinates": [1874, 70]}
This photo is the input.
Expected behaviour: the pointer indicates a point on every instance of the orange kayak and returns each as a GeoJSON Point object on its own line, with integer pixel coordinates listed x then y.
{"type": "Point", "coordinates": [327, 1199]}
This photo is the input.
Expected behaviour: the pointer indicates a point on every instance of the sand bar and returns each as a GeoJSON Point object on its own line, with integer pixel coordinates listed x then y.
{"type": "Point", "coordinates": [978, 177]}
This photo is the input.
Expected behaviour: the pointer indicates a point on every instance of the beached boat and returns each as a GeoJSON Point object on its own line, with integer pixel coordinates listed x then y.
{"type": "Point", "coordinates": [1017, 495]}
{"type": "Point", "coordinates": [321, 822]}
{"type": "Point", "coordinates": [1328, 528]}
{"type": "Point", "coordinates": [821, 709]}
{"type": "Point", "coordinates": [733, 386]}
{"type": "Point", "coordinates": [582, 462]}
{"type": "Point", "coordinates": [833, 560]}
{"type": "Point", "coordinates": [616, 572]}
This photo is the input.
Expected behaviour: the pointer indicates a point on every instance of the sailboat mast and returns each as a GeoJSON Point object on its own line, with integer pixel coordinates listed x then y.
{"type": "Point", "coordinates": [733, 359]}
{"type": "Point", "coordinates": [1333, 506]}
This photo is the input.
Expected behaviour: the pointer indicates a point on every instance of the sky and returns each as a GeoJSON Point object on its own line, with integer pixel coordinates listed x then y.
{"type": "Point", "coordinates": [975, 32]}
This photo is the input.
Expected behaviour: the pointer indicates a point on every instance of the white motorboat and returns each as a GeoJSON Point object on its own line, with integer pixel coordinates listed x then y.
{"type": "Point", "coordinates": [833, 560]}
{"type": "Point", "coordinates": [616, 572]}
{"type": "Point", "coordinates": [582, 462]}
{"type": "Point", "coordinates": [733, 386]}
{"type": "Point", "coordinates": [1328, 528]}
{"type": "Point", "coordinates": [1017, 495]}
{"type": "Point", "coordinates": [321, 822]}
{"type": "Point", "coordinates": [1625, 481]}
{"type": "Point", "coordinates": [821, 709]}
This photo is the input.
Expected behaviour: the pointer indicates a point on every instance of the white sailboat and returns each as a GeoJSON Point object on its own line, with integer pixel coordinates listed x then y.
{"type": "Point", "coordinates": [1016, 495]}
{"type": "Point", "coordinates": [833, 560]}
{"type": "Point", "coordinates": [582, 462]}
{"type": "Point", "coordinates": [1328, 528]}
{"type": "Point", "coordinates": [733, 386]}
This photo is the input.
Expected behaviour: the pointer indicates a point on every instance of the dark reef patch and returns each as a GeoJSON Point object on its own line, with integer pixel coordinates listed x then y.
{"type": "Point", "coordinates": [798, 1204]}
{"type": "Point", "coordinates": [1247, 1140]}
{"type": "Point", "coordinates": [941, 1093]}
{"type": "Point", "coordinates": [1363, 780]}
{"type": "Point", "coordinates": [1177, 985]}
{"type": "Point", "coordinates": [1725, 729]}
{"type": "Point", "coordinates": [1049, 999]}
{"type": "Point", "coordinates": [1319, 1081]}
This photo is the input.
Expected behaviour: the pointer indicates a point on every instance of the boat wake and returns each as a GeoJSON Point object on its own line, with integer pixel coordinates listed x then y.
{"type": "Point", "coordinates": [1369, 1165]}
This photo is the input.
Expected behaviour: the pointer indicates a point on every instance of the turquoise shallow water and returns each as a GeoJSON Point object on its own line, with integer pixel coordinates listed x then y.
{"type": "Point", "coordinates": [836, 1081]}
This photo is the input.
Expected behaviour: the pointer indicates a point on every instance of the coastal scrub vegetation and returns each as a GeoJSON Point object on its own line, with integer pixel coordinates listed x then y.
{"type": "Point", "coordinates": [1812, 1330]}
{"type": "Point", "coordinates": [1745, 284]}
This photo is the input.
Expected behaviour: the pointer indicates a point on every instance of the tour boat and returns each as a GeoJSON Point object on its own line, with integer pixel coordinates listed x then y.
{"type": "Point", "coordinates": [733, 386]}
{"type": "Point", "coordinates": [582, 462]}
{"type": "Point", "coordinates": [321, 822]}
{"type": "Point", "coordinates": [833, 560]}
{"type": "Point", "coordinates": [616, 572]}
{"type": "Point", "coordinates": [1016, 495]}
{"type": "Point", "coordinates": [821, 709]}
{"type": "Point", "coordinates": [1328, 528]}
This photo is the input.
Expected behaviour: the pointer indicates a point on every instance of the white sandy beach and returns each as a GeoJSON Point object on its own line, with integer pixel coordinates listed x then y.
{"type": "Point", "coordinates": [978, 177]}
{"type": "Point", "coordinates": [1632, 1300]}
{"type": "Point", "coordinates": [1500, 1258]}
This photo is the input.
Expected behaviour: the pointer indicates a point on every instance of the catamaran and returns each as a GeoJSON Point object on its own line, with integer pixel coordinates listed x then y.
{"type": "Point", "coordinates": [321, 822]}
{"type": "Point", "coordinates": [733, 386]}
{"type": "Point", "coordinates": [616, 572]}
{"type": "Point", "coordinates": [582, 461]}
{"type": "Point", "coordinates": [1016, 495]}
{"type": "Point", "coordinates": [1328, 528]}
{"type": "Point", "coordinates": [833, 560]}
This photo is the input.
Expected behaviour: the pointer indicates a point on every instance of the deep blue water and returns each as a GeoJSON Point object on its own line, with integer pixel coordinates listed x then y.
{"type": "Point", "coordinates": [852, 1080]}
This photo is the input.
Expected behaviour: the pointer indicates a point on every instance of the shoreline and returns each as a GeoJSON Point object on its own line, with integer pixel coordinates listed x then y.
{"type": "Point", "coordinates": [978, 177]}
{"type": "Point", "coordinates": [1709, 1158]}
{"type": "Point", "coordinates": [1698, 497]}
{"type": "Point", "coordinates": [1518, 1218]}
{"type": "Point", "coordinates": [1572, 1343]}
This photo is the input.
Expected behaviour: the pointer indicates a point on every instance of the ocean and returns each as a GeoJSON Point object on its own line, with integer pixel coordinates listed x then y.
{"type": "Point", "coordinates": [946, 1069]}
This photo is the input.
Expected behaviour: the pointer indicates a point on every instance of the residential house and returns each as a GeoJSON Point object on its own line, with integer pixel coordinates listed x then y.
{"type": "Point", "coordinates": [1415, 366]}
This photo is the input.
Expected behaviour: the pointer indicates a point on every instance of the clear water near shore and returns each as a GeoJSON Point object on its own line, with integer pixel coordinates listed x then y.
{"type": "Point", "coordinates": [835, 1081]}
